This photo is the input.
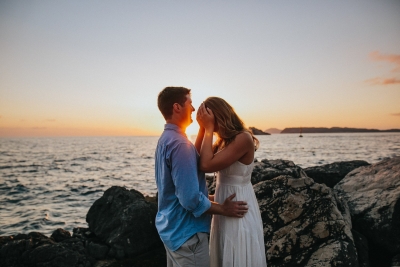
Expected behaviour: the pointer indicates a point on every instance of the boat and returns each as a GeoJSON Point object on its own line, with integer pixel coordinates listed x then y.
{"type": "Point", "coordinates": [301, 131]}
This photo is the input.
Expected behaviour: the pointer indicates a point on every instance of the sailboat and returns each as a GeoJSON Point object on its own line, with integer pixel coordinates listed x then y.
{"type": "Point", "coordinates": [301, 131]}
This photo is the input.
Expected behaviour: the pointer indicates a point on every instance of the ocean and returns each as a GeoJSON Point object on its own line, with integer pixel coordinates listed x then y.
{"type": "Point", "coordinates": [50, 183]}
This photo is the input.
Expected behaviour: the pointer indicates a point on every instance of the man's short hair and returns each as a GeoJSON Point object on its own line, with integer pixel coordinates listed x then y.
{"type": "Point", "coordinates": [168, 97]}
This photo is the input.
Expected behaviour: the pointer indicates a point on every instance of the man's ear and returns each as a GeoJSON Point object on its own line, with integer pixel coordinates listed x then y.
{"type": "Point", "coordinates": [176, 107]}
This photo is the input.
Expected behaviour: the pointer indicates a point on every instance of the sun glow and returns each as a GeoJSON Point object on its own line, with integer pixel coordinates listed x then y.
{"type": "Point", "coordinates": [193, 129]}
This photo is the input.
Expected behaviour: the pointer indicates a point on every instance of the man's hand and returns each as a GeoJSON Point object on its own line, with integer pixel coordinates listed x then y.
{"type": "Point", "coordinates": [234, 208]}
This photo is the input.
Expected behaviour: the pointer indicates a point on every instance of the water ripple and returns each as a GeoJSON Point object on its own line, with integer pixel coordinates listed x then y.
{"type": "Point", "coordinates": [46, 183]}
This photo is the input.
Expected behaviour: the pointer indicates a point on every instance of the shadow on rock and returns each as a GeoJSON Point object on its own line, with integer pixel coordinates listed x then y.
{"type": "Point", "coordinates": [331, 174]}
{"type": "Point", "coordinates": [373, 196]}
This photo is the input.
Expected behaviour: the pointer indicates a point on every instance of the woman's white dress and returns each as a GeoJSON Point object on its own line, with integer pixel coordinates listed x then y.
{"type": "Point", "coordinates": [237, 242]}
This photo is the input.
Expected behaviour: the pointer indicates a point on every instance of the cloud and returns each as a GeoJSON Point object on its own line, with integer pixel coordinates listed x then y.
{"type": "Point", "coordinates": [51, 120]}
{"type": "Point", "coordinates": [383, 81]}
{"type": "Point", "coordinates": [395, 114]}
{"type": "Point", "coordinates": [391, 58]}
{"type": "Point", "coordinates": [38, 128]}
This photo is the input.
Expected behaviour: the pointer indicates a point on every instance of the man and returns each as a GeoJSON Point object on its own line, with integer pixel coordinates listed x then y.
{"type": "Point", "coordinates": [183, 217]}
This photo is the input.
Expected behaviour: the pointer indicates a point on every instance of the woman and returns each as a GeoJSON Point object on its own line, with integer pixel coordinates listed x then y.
{"type": "Point", "coordinates": [233, 241]}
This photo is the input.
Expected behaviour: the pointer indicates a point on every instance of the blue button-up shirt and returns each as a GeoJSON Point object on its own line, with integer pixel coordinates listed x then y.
{"type": "Point", "coordinates": [182, 189]}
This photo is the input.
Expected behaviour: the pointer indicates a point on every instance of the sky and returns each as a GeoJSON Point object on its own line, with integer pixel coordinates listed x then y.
{"type": "Point", "coordinates": [95, 68]}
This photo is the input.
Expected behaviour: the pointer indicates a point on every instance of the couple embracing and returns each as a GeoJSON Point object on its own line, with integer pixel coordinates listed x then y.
{"type": "Point", "coordinates": [184, 207]}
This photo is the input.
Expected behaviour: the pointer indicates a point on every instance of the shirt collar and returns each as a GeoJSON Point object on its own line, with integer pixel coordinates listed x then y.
{"type": "Point", "coordinates": [174, 127]}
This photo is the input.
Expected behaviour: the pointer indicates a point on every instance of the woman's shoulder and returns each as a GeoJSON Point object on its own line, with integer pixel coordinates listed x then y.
{"type": "Point", "coordinates": [244, 137]}
{"type": "Point", "coordinates": [245, 134]}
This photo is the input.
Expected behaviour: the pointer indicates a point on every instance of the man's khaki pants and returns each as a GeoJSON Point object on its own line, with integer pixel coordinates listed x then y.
{"type": "Point", "coordinates": [194, 252]}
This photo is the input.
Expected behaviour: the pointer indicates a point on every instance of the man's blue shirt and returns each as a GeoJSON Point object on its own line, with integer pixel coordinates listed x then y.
{"type": "Point", "coordinates": [182, 189]}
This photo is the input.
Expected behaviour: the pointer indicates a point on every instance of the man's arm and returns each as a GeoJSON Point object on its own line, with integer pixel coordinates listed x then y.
{"type": "Point", "coordinates": [229, 208]}
{"type": "Point", "coordinates": [184, 176]}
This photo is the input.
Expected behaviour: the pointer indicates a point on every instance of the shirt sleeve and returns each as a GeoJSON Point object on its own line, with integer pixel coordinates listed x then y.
{"type": "Point", "coordinates": [185, 178]}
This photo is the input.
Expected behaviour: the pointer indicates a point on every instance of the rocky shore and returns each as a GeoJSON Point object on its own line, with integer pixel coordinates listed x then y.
{"type": "Point", "coordinates": [339, 214]}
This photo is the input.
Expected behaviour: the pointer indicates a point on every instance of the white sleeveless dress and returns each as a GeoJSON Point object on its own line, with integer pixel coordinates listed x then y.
{"type": "Point", "coordinates": [237, 242]}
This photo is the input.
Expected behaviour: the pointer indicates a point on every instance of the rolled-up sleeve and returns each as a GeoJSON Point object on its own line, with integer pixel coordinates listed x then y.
{"type": "Point", "coordinates": [203, 205]}
{"type": "Point", "coordinates": [184, 175]}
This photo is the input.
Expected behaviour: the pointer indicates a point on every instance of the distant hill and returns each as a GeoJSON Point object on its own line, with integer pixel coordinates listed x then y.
{"type": "Point", "coordinates": [273, 130]}
{"type": "Point", "coordinates": [335, 130]}
{"type": "Point", "coordinates": [258, 131]}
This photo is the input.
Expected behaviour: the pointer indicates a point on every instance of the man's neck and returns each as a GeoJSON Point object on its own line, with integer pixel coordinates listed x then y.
{"type": "Point", "coordinates": [177, 123]}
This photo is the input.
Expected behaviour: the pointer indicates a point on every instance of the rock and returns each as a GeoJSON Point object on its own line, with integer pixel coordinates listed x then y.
{"type": "Point", "coordinates": [361, 243]}
{"type": "Point", "coordinates": [124, 221]}
{"type": "Point", "coordinates": [61, 254]}
{"type": "Point", "coordinates": [38, 250]}
{"type": "Point", "coordinates": [373, 196]}
{"type": "Point", "coordinates": [16, 253]}
{"type": "Point", "coordinates": [83, 233]}
{"type": "Point", "coordinates": [396, 261]}
{"type": "Point", "coordinates": [60, 235]}
{"type": "Point", "coordinates": [153, 258]}
{"type": "Point", "coordinates": [303, 224]}
{"type": "Point", "coordinates": [152, 199]}
{"type": "Point", "coordinates": [269, 169]}
{"type": "Point", "coordinates": [97, 250]}
{"type": "Point", "coordinates": [5, 239]}
{"type": "Point", "coordinates": [256, 131]}
{"type": "Point", "coordinates": [210, 179]}
{"type": "Point", "coordinates": [331, 174]}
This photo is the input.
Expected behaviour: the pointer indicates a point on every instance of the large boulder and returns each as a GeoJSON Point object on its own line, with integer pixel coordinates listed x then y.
{"type": "Point", "coordinates": [304, 224]}
{"type": "Point", "coordinates": [269, 169]}
{"type": "Point", "coordinates": [125, 221]}
{"type": "Point", "coordinates": [331, 174]}
{"type": "Point", "coordinates": [373, 196]}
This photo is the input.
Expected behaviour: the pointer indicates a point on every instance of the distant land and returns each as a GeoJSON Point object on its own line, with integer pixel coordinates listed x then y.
{"type": "Point", "coordinates": [296, 130]}
{"type": "Point", "coordinates": [258, 131]}
{"type": "Point", "coordinates": [273, 131]}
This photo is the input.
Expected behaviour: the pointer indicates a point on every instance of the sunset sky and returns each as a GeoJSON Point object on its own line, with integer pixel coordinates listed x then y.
{"type": "Point", "coordinates": [82, 68]}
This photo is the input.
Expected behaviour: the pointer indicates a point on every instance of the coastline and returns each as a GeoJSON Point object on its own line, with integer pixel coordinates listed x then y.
{"type": "Point", "coordinates": [297, 130]}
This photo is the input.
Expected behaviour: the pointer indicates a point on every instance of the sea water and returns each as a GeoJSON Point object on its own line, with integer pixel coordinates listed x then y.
{"type": "Point", "coordinates": [50, 183]}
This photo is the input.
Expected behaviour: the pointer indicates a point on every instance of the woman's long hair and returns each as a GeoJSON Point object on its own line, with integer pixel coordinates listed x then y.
{"type": "Point", "coordinates": [228, 123]}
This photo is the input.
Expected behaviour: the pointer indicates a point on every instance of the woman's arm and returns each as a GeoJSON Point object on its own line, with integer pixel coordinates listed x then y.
{"type": "Point", "coordinates": [241, 147]}
{"type": "Point", "coordinates": [238, 149]}
{"type": "Point", "coordinates": [199, 139]}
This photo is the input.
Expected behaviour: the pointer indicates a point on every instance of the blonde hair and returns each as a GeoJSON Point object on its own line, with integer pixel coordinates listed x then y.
{"type": "Point", "coordinates": [229, 123]}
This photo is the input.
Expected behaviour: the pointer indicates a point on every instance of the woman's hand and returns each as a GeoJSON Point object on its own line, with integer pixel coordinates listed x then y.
{"type": "Point", "coordinates": [205, 117]}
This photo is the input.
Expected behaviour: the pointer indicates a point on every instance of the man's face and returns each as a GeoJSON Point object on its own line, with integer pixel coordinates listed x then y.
{"type": "Point", "coordinates": [187, 111]}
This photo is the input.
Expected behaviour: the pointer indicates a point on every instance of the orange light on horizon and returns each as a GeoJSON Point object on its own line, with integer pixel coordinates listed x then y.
{"type": "Point", "coordinates": [59, 132]}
